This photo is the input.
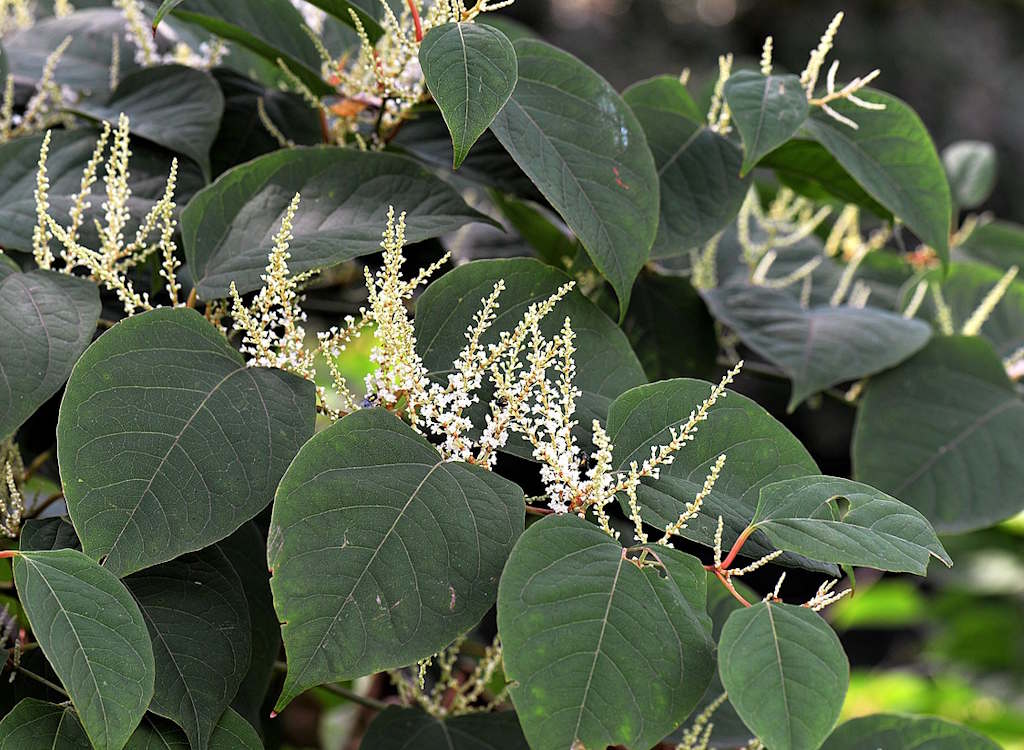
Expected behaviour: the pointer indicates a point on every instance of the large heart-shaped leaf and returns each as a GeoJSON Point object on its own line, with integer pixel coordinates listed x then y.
{"type": "Point", "coordinates": [698, 170]}
{"type": "Point", "coordinates": [892, 157]}
{"type": "Point", "coordinates": [198, 619]}
{"type": "Point", "coordinates": [471, 71]}
{"type": "Point", "coordinates": [382, 553]}
{"type": "Point", "coordinates": [601, 651]}
{"type": "Point", "coordinates": [411, 729]}
{"type": "Point", "coordinates": [816, 347]}
{"type": "Point", "coordinates": [445, 311]}
{"type": "Point", "coordinates": [92, 632]}
{"type": "Point", "coordinates": [759, 451]}
{"type": "Point", "coordinates": [231, 733]}
{"type": "Point", "coordinates": [572, 134]}
{"type": "Point", "coordinates": [174, 106]}
{"type": "Point", "coordinates": [167, 442]}
{"type": "Point", "coordinates": [785, 672]}
{"type": "Point", "coordinates": [70, 151]}
{"type": "Point", "coordinates": [836, 520]}
{"type": "Point", "coordinates": [38, 725]}
{"type": "Point", "coordinates": [46, 321]}
{"type": "Point", "coordinates": [229, 227]}
{"type": "Point", "coordinates": [767, 111]}
{"type": "Point", "coordinates": [905, 733]}
{"type": "Point", "coordinates": [940, 432]}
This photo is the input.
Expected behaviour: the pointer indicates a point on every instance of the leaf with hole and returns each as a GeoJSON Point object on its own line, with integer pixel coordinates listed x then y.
{"type": "Point", "coordinates": [167, 442]}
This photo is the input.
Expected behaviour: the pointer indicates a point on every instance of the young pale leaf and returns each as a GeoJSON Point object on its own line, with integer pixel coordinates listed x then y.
{"type": "Point", "coordinates": [971, 169]}
{"type": "Point", "coordinates": [198, 619]}
{"type": "Point", "coordinates": [231, 733]}
{"type": "Point", "coordinates": [382, 553]}
{"type": "Point", "coordinates": [38, 725]}
{"type": "Point", "coordinates": [698, 170]}
{"type": "Point", "coordinates": [759, 451]}
{"type": "Point", "coordinates": [767, 111]}
{"type": "Point", "coordinates": [905, 733]}
{"type": "Point", "coordinates": [446, 310]}
{"type": "Point", "coordinates": [471, 71]}
{"type": "Point", "coordinates": [174, 106]}
{"type": "Point", "coordinates": [411, 729]}
{"type": "Point", "coordinates": [816, 347]}
{"type": "Point", "coordinates": [892, 157]}
{"type": "Point", "coordinates": [785, 672]}
{"type": "Point", "coordinates": [228, 229]}
{"type": "Point", "coordinates": [836, 520]}
{"type": "Point", "coordinates": [93, 634]}
{"type": "Point", "coordinates": [940, 432]}
{"type": "Point", "coordinates": [46, 321]}
{"type": "Point", "coordinates": [572, 134]}
{"type": "Point", "coordinates": [601, 651]}
{"type": "Point", "coordinates": [167, 442]}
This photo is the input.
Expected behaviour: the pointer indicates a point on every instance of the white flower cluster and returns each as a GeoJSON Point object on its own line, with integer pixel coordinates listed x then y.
{"type": "Point", "coordinates": [46, 105]}
{"type": "Point", "coordinates": [139, 33]}
{"type": "Point", "coordinates": [12, 502]}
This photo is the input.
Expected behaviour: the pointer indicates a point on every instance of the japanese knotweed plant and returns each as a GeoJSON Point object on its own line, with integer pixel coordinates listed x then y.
{"type": "Point", "coordinates": [509, 500]}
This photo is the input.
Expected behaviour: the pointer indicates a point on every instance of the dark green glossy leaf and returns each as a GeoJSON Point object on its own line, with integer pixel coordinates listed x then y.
{"type": "Point", "coordinates": [198, 619]}
{"type": "Point", "coordinates": [231, 733]}
{"type": "Point", "coordinates": [446, 310]}
{"type": "Point", "coordinates": [767, 111]}
{"type": "Point", "coordinates": [471, 71]}
{"type": "Point", "coordinates": [759, 450]}
{"type": "Point", "coordinates": [585, 150]}
{"type": "Point", "coordinates": [41, 534]}
{"type": "Point", "coordinates": [382, 553]}
{"type": "Point", "coordinates": [411, 729]}
{"type": "Point", "coordinates": [786, 674]}
{"type": "Point", "coordinates": [998, 243]}
{"type": "Point", "coordinates": [38, 725]}
{"type": "Point", "coordinates": [92, 632]}
{"type": "Point", "coordinates": [547, 236]}
{"type": "Point", "coordinates": [939, 432]}
{"type": "Point", "coordinates": [836, 520]}
{"type": "Point", "coordinates": [46, 321]}
{"type": "Point", "coordinates": [905, 733]}
{"type": "Point", "coordinates": [167, 442]}
{"type": "Point", "coordinates": [176, 107]}
{"type": "Point", "coordinates": [698, 170]}
{"type": "Point", "coordinates": [892, 157]}
{"type": "Point", "coordinates": [600, 651]}
{"type": "Point", "coordinates": [971, 168]}
{"type": "Point", "coordinates": [816, 347]}
{"type": "Point", "coordinates": [229, 227]}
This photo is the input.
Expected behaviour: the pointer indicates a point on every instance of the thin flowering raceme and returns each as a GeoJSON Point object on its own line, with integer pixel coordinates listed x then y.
{"type": "Point", "coordinates": [12, 502]}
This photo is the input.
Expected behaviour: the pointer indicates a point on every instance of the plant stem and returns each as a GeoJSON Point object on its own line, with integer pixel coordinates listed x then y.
{"type": "Point", "coordinates": [338, 690]}
{"type": "Point", "coordinates": [46, 503]}
{"type": "Point", "coordinates": [416, 19]}
{"type": "Point", "coordinates": [40, 679]}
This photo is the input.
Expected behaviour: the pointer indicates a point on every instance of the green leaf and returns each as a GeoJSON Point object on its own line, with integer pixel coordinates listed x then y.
{"type": "Point", "coordinates": [938, 432]}
{"type": "Point", "coordinates": [471, 71]}
{"type": "Point", "coordinates": [411, 729]}
{"type": "Point", "coordinates": [382, 553]}
{"type": "Point", "coordinates": [583, 148]}
{"type": "Point", "coordinates": [446, 310]}
{"type": "Point", "coordinates": [46, 321]}
{"type": "Point", "coordinates": [892, 157]}
{"type": "Point", "coordinates": [600, 651]}
{"type": "Point", "coordinates": [273, 29]}
{"type": "Point", "coordinates": [38, 725]}
{"type": "Point", "coordinates": [767, 111]}
{"type": "Point", "coordinates": [698, 170]}
{"type": "Point", "coordinates": [92, 632]}
{"type": "Point", "coordinates": [167, 442]}
{"type": "Point", "coordinates": [165, 7]}
{"type": "Point", "coordinates": [546, 235]}
{"type": "Point", "coordinates": [70, 151]}
{"type": "Point", "coordinates": [231, 733]}
{"type": "Point", "coordinates": [173, 106]}
{"type": "Point", "coordinates": [228, 228]}
{"type": "Point", "coordinates": [42, 534]}
{"type": "Point", "coordinates": [760, 451]}
{"type": "Point", "coordinates": [971, 169]}
{"type": "Point", "coordinates": [836, 520]}
{"type": "Point", "coordinates": [998, 243]}
{"type": "Point", "coordinates": [905, 733]}
{"type": "Point", "coordinates": [816, 347]}
{"type": "Point", "coordinates": [198, 619]}
{"type": "Point", "coordinates": [785, 672]}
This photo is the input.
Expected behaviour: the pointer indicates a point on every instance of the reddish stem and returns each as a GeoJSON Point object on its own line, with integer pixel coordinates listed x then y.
{"type": "Point", "coordinates": [538, 511]}
{"type": "Point", "coordinates": [416, 19]}
{"type": "Point", "coordinates": [8, 553]}
{"type": "Point", "coordinates": [731, 589]}
{"type": "Point", "coordinates": [740, 541]}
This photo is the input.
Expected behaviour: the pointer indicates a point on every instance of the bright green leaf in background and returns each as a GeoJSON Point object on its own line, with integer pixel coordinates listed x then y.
{"type": "Point", "coordinates": [767, 111]}
{"type": "Point", "coordinates": [972, 170]}
{"type": "Point", "coordinates": [471, 71]}
{"type": "Point", "coordinates": [382, 553]}
{"type": "Point", "coordinates": [167, 442]}
{"type": "Point", "coordinates": [905, 733]}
